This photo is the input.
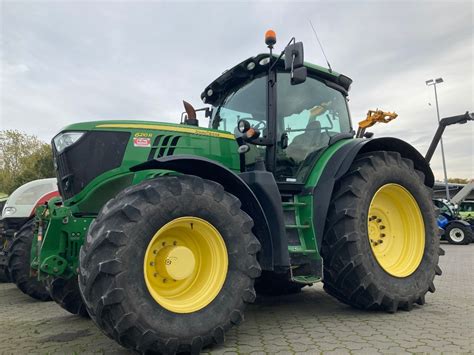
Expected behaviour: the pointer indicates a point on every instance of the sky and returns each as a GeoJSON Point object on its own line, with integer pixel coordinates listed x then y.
{"type": "Point", "coordinates": [70, 61]}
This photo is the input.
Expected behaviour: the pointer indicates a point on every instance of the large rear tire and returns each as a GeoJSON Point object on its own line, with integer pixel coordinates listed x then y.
{"type": "Point", "coordinates": [19, 264]}
{"type": "Point", "coordinates": [138, 273]}
{"type": "Point", "coordinates": [65, 292]}
{"type": "Point", "coordinates": [381, 244]}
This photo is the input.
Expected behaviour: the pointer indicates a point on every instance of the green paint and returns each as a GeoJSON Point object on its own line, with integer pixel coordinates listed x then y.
{"type": "Point", "coordinates": [65, 225]}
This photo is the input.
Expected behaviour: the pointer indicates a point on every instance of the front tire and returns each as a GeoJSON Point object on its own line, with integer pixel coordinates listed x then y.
{"type": "Point", "coordinates": [128, 280]}
{"type": "Point", "coordinates": [19, 264]}
{"type": "Point", "coordinates": [458, 234]}
{"type": "Point", "coordinates": [65, 292]}
{"type": "Point", "coordinates": [381, 246]}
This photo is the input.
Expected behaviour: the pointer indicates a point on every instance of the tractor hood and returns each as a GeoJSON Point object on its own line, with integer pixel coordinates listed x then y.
{"type": "Point", "coordinates": [143, 125]}
{"type": "Point", "coordinates": [90, 155]}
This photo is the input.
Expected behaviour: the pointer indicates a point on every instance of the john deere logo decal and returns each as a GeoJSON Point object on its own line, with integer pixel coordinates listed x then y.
{"type": "Point", "coordinates": [142, 142]}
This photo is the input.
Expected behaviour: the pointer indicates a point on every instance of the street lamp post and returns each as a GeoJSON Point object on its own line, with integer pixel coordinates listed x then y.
{"type": "Point", "coordinates": [433, 82]}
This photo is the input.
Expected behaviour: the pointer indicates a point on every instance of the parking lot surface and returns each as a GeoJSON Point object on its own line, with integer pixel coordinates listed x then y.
{"type": "Point", "coordinates": [309, 322]}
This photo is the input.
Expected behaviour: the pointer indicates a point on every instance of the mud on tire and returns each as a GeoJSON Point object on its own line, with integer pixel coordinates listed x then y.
{"type": "Point", "coordinates": [351, 271]}
{"type": "Point", "coordinates": [111, 265]}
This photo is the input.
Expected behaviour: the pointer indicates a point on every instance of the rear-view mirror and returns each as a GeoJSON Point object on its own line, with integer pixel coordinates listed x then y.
{"type": "Point", "coordinates": [294, 55]}
{"type": "Point", "coordinates": [294, 61]}
{"type": "Point", "coordinates": [298, 76]}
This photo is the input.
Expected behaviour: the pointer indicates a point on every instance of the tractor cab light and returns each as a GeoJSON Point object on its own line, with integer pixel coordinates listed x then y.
{"type": "Point", "coordinates": [270, 38]}
{"type": "Point", "coordinates": [264, 61]}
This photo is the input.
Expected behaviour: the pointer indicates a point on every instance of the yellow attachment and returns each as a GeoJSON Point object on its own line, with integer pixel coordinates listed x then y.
{"type": "Point", "coordinates": [396, 230]}
{"type": "Point", "coordinates": [377, 116]}
{"type": "Point", "coordinates": [185, 264]}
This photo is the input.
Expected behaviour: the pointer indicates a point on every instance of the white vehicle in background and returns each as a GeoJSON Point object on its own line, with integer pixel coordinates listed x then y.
{"type": "Point", "coordinates": [18, 210]}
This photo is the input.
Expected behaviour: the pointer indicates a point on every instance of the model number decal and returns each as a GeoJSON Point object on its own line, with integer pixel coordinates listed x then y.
{"type": "Point", "coordinates": [142, 142]}
{"type": "Point", "coordinates": [143, 135]}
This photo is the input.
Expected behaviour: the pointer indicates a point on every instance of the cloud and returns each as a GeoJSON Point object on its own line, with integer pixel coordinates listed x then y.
{"type": "Point", "coordinates": [65, 62]}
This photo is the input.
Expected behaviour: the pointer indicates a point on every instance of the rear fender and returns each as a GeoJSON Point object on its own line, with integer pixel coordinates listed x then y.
{"type": "Point", "coordinates": [459, 221]}
{"type": "Point", "coordinates": [340, 163]}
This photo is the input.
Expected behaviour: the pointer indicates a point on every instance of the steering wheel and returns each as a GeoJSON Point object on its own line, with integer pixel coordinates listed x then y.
{"type": "Point", "coordinates": [260, 125]}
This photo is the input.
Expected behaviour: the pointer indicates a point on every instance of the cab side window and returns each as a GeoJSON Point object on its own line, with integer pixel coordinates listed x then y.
{"type": "Point", "coordinates": [309, 114]}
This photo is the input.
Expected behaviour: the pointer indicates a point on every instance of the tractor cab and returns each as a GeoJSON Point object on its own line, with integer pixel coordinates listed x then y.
{"type": "Point", "coordinates": [279, 123]}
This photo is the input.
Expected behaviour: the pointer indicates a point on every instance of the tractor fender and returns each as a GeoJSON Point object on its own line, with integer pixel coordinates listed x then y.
{"type": "Point", "coordinates": [232, 183]}
{"type": "Point", "coordinates": [458, 221]}
{"type": "Point", "coordinates": [340, 162]}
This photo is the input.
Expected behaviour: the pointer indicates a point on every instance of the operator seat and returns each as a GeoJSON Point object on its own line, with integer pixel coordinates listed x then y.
{"type": "Point", "coordinates": [306, 142]}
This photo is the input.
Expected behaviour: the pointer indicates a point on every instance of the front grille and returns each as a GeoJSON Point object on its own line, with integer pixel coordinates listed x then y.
{"type": "Point", "coordinates": [93, 154]}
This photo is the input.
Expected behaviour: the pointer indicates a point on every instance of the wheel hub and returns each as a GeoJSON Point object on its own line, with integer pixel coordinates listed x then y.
{"type": "Point", "coordinates": [456, 234]}
{"type": "Point", "coordinates": [175, 262]}
{"type": "Point", "coordinates": [376, 231]}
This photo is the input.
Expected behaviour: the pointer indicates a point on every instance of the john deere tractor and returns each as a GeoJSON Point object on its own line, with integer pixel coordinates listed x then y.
{"type": "Point", "coordinates": [171, 228]}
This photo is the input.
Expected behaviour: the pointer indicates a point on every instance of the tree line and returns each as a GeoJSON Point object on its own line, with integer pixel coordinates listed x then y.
{"type": "Point", "coordinates": [23, 158]}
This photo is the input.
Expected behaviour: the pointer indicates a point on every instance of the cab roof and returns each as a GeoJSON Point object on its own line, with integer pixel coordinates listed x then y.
{"type": "Point", "coordinates": [246, 71]}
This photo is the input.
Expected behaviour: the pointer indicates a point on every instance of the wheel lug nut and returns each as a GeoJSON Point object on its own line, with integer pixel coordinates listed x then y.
{"type": "Point", "coordinates": [164, 280]}
{"type": "Point", "coordinates": [175, 242]}
{"type": "Point", "coordinates": [382, 235]}
{"type": "Point", "coordinates": [155, 274]}
{"type": "Point", "coordinates": [152, 263]}
{"type": "Point", "coordinates": [164, 243]}
{"type": "Point", "coordinates": [380, 241]}
{"type": "Point", "coordinates": [379, 220]}
{"type": "Point", "coordinates": [155, 251]}
{"type": "Point", "coordinates": [382, 227]}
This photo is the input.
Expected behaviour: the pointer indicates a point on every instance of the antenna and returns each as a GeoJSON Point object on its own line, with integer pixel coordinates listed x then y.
{"type": "Point", "coordinates": [320, 45]}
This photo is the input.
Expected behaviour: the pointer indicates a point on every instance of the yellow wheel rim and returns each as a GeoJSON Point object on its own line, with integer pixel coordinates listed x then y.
{"type": "Point", "coordinates": [396, 230]}
{"type": "Point", "coordinates": [185, 264]}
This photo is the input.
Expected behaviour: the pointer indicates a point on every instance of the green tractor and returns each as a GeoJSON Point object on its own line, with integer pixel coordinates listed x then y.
{"type": "Point", "coordinates": [171, 228]}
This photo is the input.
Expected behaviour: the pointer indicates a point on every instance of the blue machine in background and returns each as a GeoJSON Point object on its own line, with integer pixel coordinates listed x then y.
{"type": "Point", "coordinates": [455, 230]}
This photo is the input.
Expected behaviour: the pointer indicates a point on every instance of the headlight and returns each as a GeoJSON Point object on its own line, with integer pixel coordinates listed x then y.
{"type": "Point", "coordinates": [8, 211]}
{"type": "Point", "coordinates": [64, 140]}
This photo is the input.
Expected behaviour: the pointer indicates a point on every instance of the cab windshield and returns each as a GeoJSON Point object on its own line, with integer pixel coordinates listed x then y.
{"type": "Point", "coordinates": [247, 102]}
